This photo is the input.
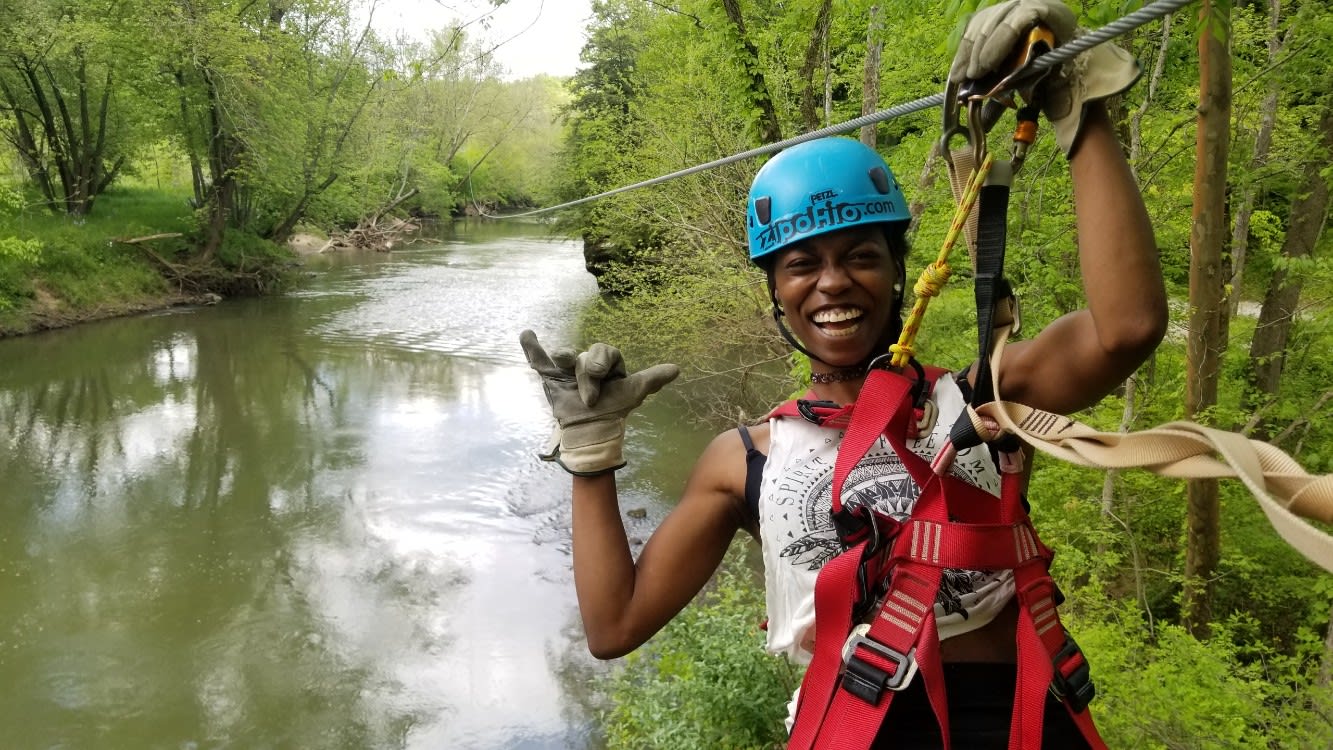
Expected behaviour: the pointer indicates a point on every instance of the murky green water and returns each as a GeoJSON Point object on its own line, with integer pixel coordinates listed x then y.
{"type": "Point", "coordinates": [308, 521]}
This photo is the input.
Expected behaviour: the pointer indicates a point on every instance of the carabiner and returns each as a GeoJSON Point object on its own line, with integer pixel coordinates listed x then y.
{"type": "Point", "coordinates": [986, 101]}
{"type": "Point", "coordinates": [977, 127]}
{"type": "Point", "coordinates": [1022, 77]}
{"type": "Point", "coordinates": [953, 124]}
{"type": "Point", "coordinates": [982, 114]}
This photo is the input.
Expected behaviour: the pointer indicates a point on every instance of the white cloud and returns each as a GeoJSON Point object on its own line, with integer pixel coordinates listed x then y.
{"type": "Point", "coordinates": [534, 36]}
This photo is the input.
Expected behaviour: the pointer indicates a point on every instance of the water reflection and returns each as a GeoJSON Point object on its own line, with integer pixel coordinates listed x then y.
{"type": "Point", "coordinates": [311, 521]}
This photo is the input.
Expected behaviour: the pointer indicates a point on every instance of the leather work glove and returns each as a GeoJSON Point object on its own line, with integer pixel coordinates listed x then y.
{"type": "Point", "coordinates": [994, 31]}
{"type": "Point", "coordinates": [590, 394]}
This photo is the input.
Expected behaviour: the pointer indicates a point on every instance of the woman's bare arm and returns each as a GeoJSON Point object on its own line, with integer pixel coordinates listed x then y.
{"type": "Point", "coordinates": [623, 603]}
{"type": "Point", "coordinates": [1082, 356]}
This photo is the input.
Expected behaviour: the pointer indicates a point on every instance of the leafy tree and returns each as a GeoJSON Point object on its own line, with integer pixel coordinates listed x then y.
{"type": "Point", "coordinates": [61, 68]}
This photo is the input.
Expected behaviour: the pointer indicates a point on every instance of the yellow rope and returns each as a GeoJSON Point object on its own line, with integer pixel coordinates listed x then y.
{"type": "Point", "coordinates": [935, 275]}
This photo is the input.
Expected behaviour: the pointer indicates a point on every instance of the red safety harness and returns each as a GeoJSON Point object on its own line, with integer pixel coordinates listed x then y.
{"type": "Point", "coordinates": [874, 604]}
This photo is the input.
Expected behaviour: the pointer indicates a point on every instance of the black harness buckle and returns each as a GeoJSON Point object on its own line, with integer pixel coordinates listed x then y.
{"type": "Point", "coordinates": [867, 681]}
{"type": "Point", "coordinates": [807, 409]}
{"type": "Point", "coordinates": [1075, 688]}
{"type": "Point", "coordinates": [851, 524]}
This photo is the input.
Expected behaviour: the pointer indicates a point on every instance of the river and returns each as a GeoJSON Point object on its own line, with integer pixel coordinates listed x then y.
{"type": "Point", "coordinates": [312, 520]}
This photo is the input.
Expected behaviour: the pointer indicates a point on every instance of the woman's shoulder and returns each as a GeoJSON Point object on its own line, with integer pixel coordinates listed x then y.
{"type": "Point", "coordinates": [730, 447]}
{"type": "Point", "coordinates": [723, 463]}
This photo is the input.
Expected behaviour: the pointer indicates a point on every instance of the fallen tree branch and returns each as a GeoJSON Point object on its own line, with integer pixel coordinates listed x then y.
{"type": "Point", "coordinates": [147, 238]}
{"type": "Point", "coordinates": [391, 205]}
{"type": "Point", "coordinates": [1304, 421]}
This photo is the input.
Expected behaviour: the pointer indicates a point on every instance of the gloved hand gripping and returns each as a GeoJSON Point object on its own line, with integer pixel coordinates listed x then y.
{"type": "Point", "coordinates": [590, 394]}
{"type": "Point", "coordinates": [1102, 71]}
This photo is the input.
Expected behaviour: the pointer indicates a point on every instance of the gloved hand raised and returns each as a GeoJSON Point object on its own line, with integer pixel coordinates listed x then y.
{"type": "Point", "coordinates": [993, 32]}
{"type": "Point", "coordinates": [590, 394]}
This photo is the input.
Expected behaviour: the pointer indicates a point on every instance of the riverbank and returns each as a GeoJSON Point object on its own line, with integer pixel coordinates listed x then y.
{"type": "Point", "coordinates": [47, 312]}
{"type": "Point", "coordinates": [134, 254]}
{"type": "Point", "coordinates": [80, 274]}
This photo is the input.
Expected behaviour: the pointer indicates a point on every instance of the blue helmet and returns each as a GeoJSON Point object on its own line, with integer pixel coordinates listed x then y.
{"type": "Point", "coordinates": [816, 187]}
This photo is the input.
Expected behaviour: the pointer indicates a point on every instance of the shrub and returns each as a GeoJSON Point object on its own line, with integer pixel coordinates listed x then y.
{"type": "Point", "coordinates": [705, 680]}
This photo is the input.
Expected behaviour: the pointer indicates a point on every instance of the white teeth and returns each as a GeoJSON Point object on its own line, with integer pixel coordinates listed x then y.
{"type": "Point", "coordinates": [841, 332]}
{"type": "Point", "coordinates": [836, 315]}
{"type": "Point", "coordinates": [838, 321]}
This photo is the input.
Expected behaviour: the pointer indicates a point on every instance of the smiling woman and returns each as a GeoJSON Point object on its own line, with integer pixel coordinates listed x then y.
{"type": "Point", "coordinates": [828, 483]}
{"type": "Point", "coordinates": [836, 291]}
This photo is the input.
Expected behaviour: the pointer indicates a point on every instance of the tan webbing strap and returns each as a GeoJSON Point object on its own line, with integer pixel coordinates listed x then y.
{"type": "Point", "coordinates": [1286, 493]}
{"type": "Point", "coordinates": [961, 168]}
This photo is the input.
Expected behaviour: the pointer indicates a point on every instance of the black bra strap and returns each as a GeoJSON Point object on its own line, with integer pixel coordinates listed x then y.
{"type": "Point", "coordinates": [754, 473]}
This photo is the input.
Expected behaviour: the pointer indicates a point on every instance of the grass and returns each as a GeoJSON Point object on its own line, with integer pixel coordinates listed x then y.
{"type": "Point", "coordinates": [60, 269]}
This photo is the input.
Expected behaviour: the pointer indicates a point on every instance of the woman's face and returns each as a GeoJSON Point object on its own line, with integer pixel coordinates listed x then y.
{"type": "Point", "coordinates": [837, 293]}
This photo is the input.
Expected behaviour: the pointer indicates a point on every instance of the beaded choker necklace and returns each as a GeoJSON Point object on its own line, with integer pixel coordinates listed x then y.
{"type": "Point", "coordinates": [837, 376]}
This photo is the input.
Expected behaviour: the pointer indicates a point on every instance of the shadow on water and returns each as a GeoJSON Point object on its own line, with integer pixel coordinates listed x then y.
{"type": "Point", "coordinates": [306, 521]}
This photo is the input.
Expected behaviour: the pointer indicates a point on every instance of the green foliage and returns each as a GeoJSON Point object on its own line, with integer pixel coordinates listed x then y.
{"type": "Point", "coordinates": [1158, 687]}
{"type": "Point", "coordinates": [704, 681]}
{"type": "Point", "coordinates": [241, 249]}
{"type": "Point", "coordinates": [21, 253]}
{"type": "Point", "coordinates": [84, 273]}
{"type": "Point", "coordinates": [71, 116]}
{"type": "Point", "coordinates": [265, 115]}
{"type": "Point", "coordinates": [14, 251]}
{"type": "Point", "coordinates": [18, 256]}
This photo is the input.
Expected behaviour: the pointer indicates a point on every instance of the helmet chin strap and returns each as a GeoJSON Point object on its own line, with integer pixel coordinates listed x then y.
{"type": "Point", "coordinates": [782, 329]}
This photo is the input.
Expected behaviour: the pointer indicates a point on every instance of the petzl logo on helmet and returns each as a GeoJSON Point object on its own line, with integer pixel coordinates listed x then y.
{"type": "Point", "coordinates": [821, 218]}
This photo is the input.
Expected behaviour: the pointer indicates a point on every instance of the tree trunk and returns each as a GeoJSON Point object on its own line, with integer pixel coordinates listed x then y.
{"type": "Point", "coordinates": [1154, 80]}
{"type": "Point", "coordinates": [30, 152]}
{"type": "Point", "coordinates": [1263, 141]}
{"type": "Point", "coordinates": [223, 158]}
{"type": "Point", "coordinates": [61, 141]}
{"type": "Point", "coordinates": [770, 131]}
{"type": "Point", "coordinates": [1308, 214]}
{"type": "Point", "coordinates": [1108, 482]}
{"type": "Point", "coordinates": [870, 83]}
{"type": "Point", "coordinates": [813, 55]}
{"type": "Point", "coordinates": [46, 119]}
{"type": "Point", "coordinates": [197, 181]}
{"type": "Point", "coordinates": [1207, 234]}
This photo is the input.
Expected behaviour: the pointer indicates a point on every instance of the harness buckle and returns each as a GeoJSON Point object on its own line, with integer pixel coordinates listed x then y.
{"type": "Point", "coordinates": [851, 524]}
{"type": "Point", "coordinates": [867, 681]}
{"type": "Point", "coordinates": [807, 409]}
{"type": "Point", "coordinates": [1075, 686]}
{"type": "Point", "coordinates": [873, 582]}
{"type": "Point", "coordinates": [926, 414]}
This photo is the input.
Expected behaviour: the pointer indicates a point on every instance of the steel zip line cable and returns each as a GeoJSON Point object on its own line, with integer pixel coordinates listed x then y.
{"type": "Point", "coordinates": [1049, 60]}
